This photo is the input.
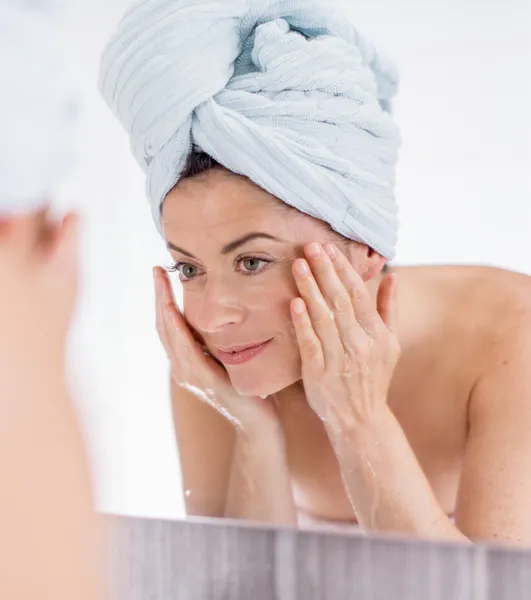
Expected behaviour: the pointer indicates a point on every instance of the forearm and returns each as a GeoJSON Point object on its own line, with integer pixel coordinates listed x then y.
{"type": "Point", "coordinates": [46, 512]}
{"type": "Point", "coordinates": [386, 484]}
{"type": "Point", "coordinates": [260, 486]}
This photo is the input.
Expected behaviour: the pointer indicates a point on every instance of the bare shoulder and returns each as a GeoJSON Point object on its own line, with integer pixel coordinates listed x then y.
{"type": "Point", "coordinates": [487, 309]}
{"type": "Point", "coordinates": [489, 291]}
{"type": "Point", "coordinates": [497, 300]}
{"type": "Point", "coordinates": [500, 308]}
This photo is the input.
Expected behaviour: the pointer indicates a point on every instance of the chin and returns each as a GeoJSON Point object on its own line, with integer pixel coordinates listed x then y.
{"type": "Point", "coordinates": [264, 384]}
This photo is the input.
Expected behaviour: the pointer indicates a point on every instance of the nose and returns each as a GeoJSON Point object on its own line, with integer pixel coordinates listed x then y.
{"type": "Point", "coordinates": [215, 308]}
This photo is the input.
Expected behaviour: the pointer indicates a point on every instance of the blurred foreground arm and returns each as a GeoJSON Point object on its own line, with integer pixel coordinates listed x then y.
{"type": "Point", "coordinates": [49, 538]}
{"type": "Point", "coordinates": [50, 542]}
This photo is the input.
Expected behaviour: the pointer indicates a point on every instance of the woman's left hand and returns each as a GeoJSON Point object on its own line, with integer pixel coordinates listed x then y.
{"type": "Point", "coordinates": [349, 347]}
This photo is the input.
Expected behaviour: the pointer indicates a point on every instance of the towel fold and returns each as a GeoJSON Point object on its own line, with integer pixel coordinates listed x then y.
{"type": "Point", "coordinates": [285, 92]}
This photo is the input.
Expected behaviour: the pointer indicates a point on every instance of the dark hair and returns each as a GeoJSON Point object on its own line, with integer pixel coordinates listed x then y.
{"type": "Point", "coordinates": [198, 163]}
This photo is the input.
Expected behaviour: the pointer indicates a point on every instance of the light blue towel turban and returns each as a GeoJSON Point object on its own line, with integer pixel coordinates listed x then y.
{"type": "Point", "coordinates": [38, 105]}
{"type": "Point", "coordinates": [284, 92]}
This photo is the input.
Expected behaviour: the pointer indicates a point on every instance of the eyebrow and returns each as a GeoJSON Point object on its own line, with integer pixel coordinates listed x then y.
{"type": "Point", "coordinates": [231, 246]}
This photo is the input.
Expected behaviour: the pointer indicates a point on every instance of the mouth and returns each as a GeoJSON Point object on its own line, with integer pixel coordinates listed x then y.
{"type": "Point", "coordinates": [237, 355]}
{"type": "Point", "coordinates": [241, 347]}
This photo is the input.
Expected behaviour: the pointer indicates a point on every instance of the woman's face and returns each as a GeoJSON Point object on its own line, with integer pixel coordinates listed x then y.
{"type": "Point", "coordinates": [238, 287]}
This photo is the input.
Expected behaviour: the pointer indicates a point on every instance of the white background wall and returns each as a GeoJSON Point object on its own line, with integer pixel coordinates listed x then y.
{"type": "Point", "coordinates": [463, 188]}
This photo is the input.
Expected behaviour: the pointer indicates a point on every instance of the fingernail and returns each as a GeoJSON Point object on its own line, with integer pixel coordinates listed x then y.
{"type": "Point", "coordinates": [331, 251]}
{"type": "Point", "coordinates": [298, 306]}
{"type": "Point", "coordinates": [302, 268]}
{"type": "Point", "coordinates": [314, 250]}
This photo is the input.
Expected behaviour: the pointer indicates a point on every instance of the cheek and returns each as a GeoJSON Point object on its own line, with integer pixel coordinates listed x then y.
{"type": "Point", "coordinates": [276, 287]}
{"type": "Point", "coordinates": [273, 310]}
{"type": "Point", "coordinates": [270, 293]}
{"type": "Point", "coordinates": [191, 318]}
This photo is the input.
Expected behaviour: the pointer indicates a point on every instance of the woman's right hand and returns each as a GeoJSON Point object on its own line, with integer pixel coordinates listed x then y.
{"type": "Point", "coordinates": [195, 370]}
{"type": "Point", "coordinates": [38, 283]}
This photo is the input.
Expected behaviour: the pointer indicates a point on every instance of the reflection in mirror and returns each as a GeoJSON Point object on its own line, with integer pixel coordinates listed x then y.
{"type": "Point", "coordinates": [398, 398]}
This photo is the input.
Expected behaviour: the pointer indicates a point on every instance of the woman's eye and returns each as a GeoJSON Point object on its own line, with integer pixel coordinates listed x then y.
{"type": "Point", "coordinates": [252, 264]}
{"type": "Point", "coordinates": [186, 271]}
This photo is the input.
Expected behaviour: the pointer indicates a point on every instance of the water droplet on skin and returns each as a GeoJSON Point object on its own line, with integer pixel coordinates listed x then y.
{"type": "Point", "coordinates": [209, 398]}
{"type": "Point", "coordinates": [188, 493]}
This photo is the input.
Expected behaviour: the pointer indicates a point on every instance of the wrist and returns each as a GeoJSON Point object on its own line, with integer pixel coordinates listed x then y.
{"type": "Point", "coordinates": [255, 416]}
{"type": "Point", "coordinates": [262, 430]}
{"type": "Point", "coordinates": [363, 431]}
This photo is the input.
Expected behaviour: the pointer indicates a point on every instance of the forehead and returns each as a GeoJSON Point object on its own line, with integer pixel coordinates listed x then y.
{"type": "Point", "coordinates": [223, 205]}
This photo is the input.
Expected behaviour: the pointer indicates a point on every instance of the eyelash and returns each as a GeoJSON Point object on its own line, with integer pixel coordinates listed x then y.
{"type": "Point", "coordinates": [174, 267]}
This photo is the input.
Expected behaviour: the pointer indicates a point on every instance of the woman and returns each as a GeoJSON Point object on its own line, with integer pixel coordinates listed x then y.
{"type": "Point", "coordinates": [264, 132]}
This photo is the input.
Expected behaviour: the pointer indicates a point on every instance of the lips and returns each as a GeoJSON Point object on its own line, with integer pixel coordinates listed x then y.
{"type": "Point", "coordinates": [241, 347]}
{"type": "Point", "coordinates": [237, 356]}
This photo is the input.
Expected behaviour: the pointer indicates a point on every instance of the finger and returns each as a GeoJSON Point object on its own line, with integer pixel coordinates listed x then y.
{"type": "Point", "coordinates": [63, 243]}
{"type": "Point", "coordinates": [44, 231]}
{"type": "Point", "coordinates": [386, 303]}
{"type": "Point", "coordinates": [26, 233]}
{"type": "Point", "coordinates": [310, 346]}
{"type": "Point", "coordinates": [159, 317]}
{"type": "Point", "coordinates": [162, 314]}
{"type": "Point", "coordinates": [363, 305]}
{"type": "Point", "coordinates": [183, 347]}
{"type": "Point", "coordinates": [166, 288]}
{"type": "Point", "coordinates": [320, 314]}
{"type": "Point", "coordinates": [169, 297]}
{"type": "Point", "coordinates": [178, 338]}
{"type": "Point", "coordinates": [334, 291]}
{"type": "Point", "coordinates": [166, 330]}
{"type": "Point", "coordinates": [171, 311]}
